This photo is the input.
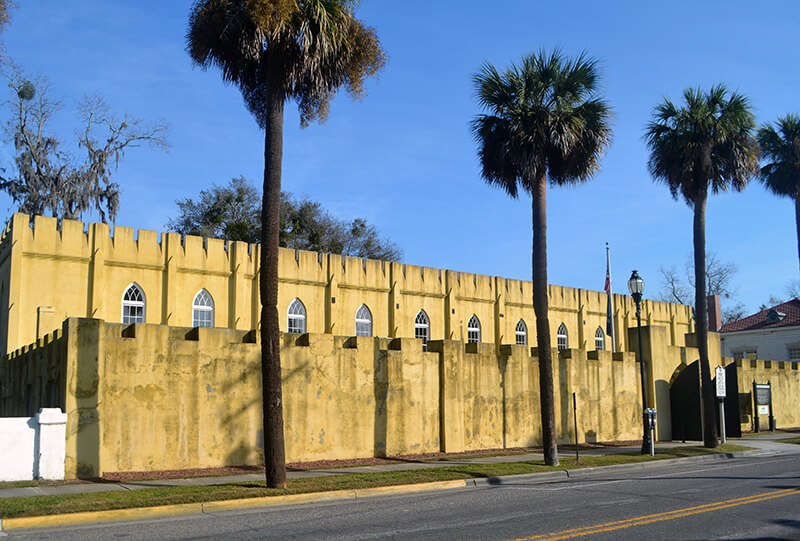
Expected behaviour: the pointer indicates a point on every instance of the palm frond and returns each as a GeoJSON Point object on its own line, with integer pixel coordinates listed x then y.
{"type": "Point", "coordinates": [705, 144]}
{"type": "Point", "coordinates": [781, 172]}
{"type": "Point", "coordinates": [303, 49]}
{"type": "Point", "coordinates": [544, 119]}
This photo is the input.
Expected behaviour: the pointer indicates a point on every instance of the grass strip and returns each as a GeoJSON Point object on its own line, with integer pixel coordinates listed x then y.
{"type": "Point", "coordinates": [100, 501]}
{"type": "Point", "coordinates": [796, 441]}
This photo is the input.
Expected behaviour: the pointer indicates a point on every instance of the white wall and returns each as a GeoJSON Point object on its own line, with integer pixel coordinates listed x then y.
{"type": "Point", "coordinates": [33, 447]}
{"type": "Point", "coordinates": [770, 344]}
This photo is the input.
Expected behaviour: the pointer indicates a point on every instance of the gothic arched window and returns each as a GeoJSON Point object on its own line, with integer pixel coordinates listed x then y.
{"type": "Point", "coordinates": [203, 309]}
{"type": "Point", "coordinates": [422, 328]}
{"type": "Point", "coordinates": [296, 322]}
{"type": "Point", "coordinates": [133, 304]}
{"type": "Point", "coordinates": [363, 321]}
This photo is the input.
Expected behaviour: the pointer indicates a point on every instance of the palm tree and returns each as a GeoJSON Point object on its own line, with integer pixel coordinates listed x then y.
{"type": "Point", "coordinates": [276, 50]}
{"type": "Point", "coordinates": [545, 122]}
{"type": "Point", "coordinates": [782, 174]}
{"type": "Point", "coordinates": [706, 144]}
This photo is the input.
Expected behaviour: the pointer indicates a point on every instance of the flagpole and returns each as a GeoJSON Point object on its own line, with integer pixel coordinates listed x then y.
{"type": "Point", "coordinates": [610, 307]}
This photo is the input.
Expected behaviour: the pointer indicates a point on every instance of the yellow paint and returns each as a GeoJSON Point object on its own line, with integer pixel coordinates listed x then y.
{"type": "Point", "coordinates": [224, 505]}
{"type": "Point", "coordinates": [660, 517]}
{"type": "Point", "coordinates": [785, 380]}
{"type": "Point", "coordinates": [153, 397]}
{"type": "Point", "coordinates": [50, 521]}
{"type": "Point", "coordinates": [162, 395]}
{"type": "Point", "coordinates": [80, 270]}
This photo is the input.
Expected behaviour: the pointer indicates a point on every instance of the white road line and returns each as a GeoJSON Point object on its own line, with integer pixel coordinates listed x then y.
{"type": "Point", "coordinates": [576, 484]}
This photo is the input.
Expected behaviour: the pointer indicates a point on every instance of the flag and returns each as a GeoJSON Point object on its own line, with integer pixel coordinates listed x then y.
{"type": "Point", "coordinates": [610, 305]}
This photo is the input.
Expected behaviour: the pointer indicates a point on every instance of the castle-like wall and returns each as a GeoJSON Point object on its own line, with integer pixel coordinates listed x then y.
{"type": "Point", "coordinates": [785, 380]}
{"type": "Point", "coordinates": [152, 397]}
{"type": "Point", "coordinates": [49, 272]}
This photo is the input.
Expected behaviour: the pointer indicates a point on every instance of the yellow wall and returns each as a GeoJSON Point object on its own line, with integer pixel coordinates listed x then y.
{"type": "Point", "coordinates": [49, 273]}
{"type": "Point", "coordinates": [152, 397]}
{"type": "Point", "coordinates": [162, 395]}
{"type": "Point", "coordinates": [785, 380]}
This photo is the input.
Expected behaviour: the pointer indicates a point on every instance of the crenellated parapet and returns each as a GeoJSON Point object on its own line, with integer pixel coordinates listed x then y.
{"type": "Point", "coordinates": [156, 397]}
{"type": "Point", "coordinates": [50, 271]}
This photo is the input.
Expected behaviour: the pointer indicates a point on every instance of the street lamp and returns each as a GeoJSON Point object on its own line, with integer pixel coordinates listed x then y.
{"type": "Point", "coordinates": [636, 287]}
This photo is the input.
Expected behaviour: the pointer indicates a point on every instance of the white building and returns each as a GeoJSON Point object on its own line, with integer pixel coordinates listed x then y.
{"type": "Point", "coordinates": [772, 334]}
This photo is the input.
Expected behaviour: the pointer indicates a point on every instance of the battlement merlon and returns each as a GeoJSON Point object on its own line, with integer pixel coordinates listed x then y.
{"type": "Point", "coordinates": [168, 259]}
{"type": "Point", "coordinates": [45, 236]}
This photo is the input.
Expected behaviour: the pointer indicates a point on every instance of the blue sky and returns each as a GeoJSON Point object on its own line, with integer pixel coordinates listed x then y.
{"type": "Point", "coordinates": [404, 157]}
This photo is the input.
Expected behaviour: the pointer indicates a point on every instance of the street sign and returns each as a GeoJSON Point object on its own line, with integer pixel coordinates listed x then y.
{"type": "Point", "coordinates": [763, 410]}
{"type": "Point", "coordinates": [720, 382]}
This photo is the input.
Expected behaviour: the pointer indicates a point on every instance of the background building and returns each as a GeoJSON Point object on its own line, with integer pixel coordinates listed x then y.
{"type": "Point", "coordinates": [772, 333]}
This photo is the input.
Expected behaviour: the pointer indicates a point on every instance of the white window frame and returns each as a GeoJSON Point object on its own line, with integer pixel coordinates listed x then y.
{"type": "Point", "coordinates": [562, 337]}
{"type": "Point", "coordinates": [296, 317]}
{"type": "Point", "coordinates": [203, 309]}
{"type": "Point", "coordinates": [422, 328]}
{"type": "Point", "coordinates": [474, 330]}
{"type": "Point", "coordinates": [521, 333]}
{"type": "Point", "coordinates": [793, 358]}
{"type": "Point", "coordinates": [363, 321]}
{"type": "Point", "coordinates": [134, 304]}
{"type": "Point", "coordinates": [599, 339]}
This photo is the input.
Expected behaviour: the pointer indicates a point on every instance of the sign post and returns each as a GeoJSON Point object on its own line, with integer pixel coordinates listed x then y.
{"type": "Point", "coordinates": [721, 396]}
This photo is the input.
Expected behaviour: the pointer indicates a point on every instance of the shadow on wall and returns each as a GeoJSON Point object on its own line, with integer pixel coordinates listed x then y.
{"type": "Point", "coordinates": [564, 397]}
{"type": "Point", "coordinates": [502, 362]}
{"type": "Point", "coordinates": [83, 424]}
{"type": "Point", "coordinates": [663, 409]}
{"type": "Point", "coordinates": [380, 390]}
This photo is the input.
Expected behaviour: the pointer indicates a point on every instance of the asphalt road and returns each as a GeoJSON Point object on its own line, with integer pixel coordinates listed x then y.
{"type": "Point", "coordinates": [754, 497]}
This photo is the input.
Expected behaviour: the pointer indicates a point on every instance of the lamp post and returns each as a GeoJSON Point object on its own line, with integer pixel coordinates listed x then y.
{"type": "Point", "coordinates": [636, 287]}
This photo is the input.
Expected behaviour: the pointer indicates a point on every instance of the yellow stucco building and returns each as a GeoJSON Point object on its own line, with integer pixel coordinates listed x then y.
{"type": "Point", "coordinates": [147, 341]}
{"type": "Point", "coordinates": [49, 273]}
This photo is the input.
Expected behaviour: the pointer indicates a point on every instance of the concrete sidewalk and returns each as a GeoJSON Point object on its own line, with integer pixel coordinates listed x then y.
{"type": "Point", "coordinates": [765, 442]}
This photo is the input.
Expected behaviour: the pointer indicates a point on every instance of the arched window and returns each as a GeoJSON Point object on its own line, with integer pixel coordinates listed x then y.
{"type": "Point", "coordinates": [561, 337]}
{"type": "Point", "coordinates": [133, 304]}
{"type": "Point", "coordinates": [522, 333]}
{"type": "Point", "coordinates": [599, 339]}
{"type": "Point", "coordinates": [296, 323]}
{"type": "Point", "coordinates": [473, 330]}
{"type": "Point", "coordinates": [422, 329]}
{"type": "Point", "coordinates": [363, 321]}
{"type": "Point", "coordinates": [203, 309]}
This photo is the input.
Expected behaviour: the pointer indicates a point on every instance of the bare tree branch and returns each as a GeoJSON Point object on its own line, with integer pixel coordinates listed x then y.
{"type": "Point", "coordinates": [680, 289]}
{"type": "Point", "coordinates": [50, 180]}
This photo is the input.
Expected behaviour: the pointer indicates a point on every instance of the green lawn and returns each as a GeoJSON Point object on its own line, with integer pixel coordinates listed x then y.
{"type": "Point", "coordinates": [74, 503]}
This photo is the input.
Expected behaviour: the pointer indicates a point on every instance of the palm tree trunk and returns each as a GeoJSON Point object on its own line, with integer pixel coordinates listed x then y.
{"type": "Point", "coordinates": [797, 222]}
{"type": "Point", "coordinates": [274, 453]}
{"type": "Point", "coordinates": [541, 308]}
{"type": "Point", "coordinates": [701, 321]}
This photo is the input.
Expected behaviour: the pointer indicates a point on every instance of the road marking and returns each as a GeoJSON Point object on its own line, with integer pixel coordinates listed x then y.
{"type": "Point", "coordinates": [576, 482]}
{"type": "Point", "coordinates": [658, 517]}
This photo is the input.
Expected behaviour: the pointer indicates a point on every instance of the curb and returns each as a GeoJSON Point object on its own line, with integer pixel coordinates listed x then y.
{"type": "Point", "coordinates": [48, 521]}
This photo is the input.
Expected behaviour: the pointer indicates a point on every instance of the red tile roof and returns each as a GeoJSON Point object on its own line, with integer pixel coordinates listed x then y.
{"type": "Point", "coordinates": [761, 320]}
